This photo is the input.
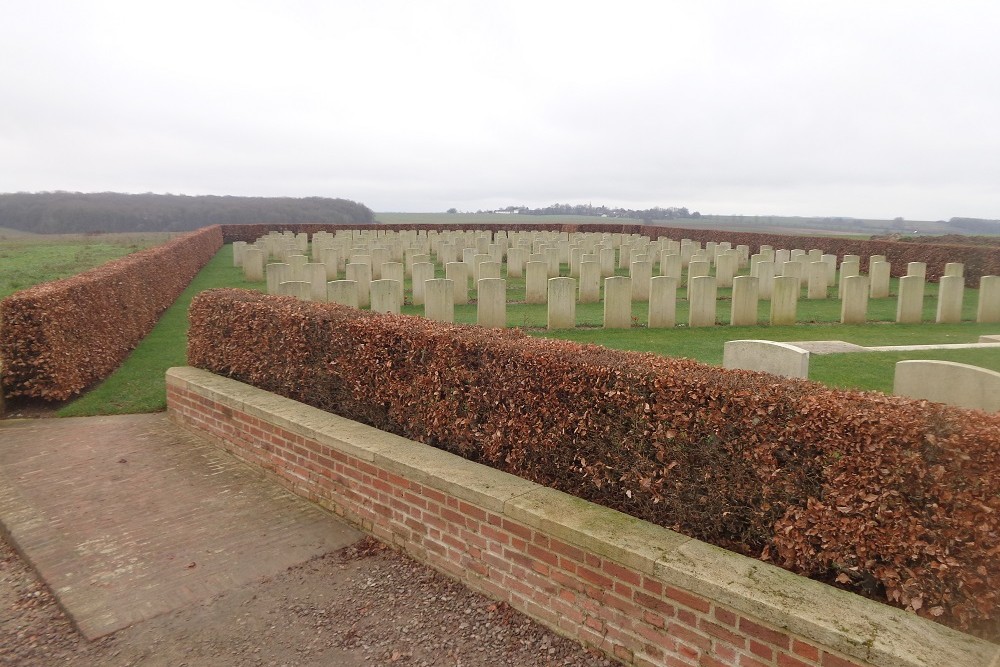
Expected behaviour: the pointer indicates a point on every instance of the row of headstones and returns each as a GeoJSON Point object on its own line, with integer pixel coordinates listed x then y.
{"type": "Point", "coordinates": [552, 249]}
{"type": "Point", "coordinates": [822, 270]}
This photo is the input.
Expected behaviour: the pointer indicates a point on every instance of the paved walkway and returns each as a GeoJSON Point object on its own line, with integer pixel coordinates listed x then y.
{"type": "Point", "coordinates": [129, 517]}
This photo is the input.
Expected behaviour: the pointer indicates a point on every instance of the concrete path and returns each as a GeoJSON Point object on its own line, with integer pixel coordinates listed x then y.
{"type": "Point", "coordinates": [129, 517]}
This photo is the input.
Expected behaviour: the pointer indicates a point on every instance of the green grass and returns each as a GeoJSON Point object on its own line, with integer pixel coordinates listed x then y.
{"type": "Point", "coordinates": [139, 384]}
{"type": "Point", "coordinates": [874, 371]}
{"type": "Point", "coordinates": [29, 260]}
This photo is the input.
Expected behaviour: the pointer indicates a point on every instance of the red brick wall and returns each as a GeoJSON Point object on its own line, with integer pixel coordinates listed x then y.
{"type": "Point", "coordinates": [625, 613]}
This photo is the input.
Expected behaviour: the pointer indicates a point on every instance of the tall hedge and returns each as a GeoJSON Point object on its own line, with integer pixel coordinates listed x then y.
{"type": "Point", "coordinates": [895, 498]}
{"type": "Point", "coordinates": [58, 338]}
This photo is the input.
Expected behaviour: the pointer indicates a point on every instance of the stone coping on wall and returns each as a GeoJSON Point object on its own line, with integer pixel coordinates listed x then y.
{"type": "Point", "coordinates": [860, 630]}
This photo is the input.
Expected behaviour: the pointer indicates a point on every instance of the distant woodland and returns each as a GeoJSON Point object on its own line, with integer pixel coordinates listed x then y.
{"type": "Point", "coordinates": [77, 212]}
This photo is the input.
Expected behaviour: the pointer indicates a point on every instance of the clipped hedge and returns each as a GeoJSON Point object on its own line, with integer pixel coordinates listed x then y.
{"type": "Point", "coordinates": [58, 338]}
{"type": "Point", "coordinates": [894, 498]}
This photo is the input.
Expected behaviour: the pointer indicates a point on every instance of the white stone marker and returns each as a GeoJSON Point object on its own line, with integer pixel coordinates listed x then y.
{"type": "Point", "coordinates": [316, 277]}
{"type": "Point", "coordinates": [385, 296]}
{"type": "Point", "coordinates": [607, 259]}
{"type": "Point", "coordinates": [393, 271]}
{"type": "Point", "coordinates": [491, 308]}
{"type": "Point", "coordinates": [297, 267]}
{"type": "Point", "coordinates": [617, 302]}
{"type": "Point", "coordinates": [302, 241]}
{"type": "Point", "coordinates": [784, 300]}
{"type": "Point", "coordinates": [831, 269]}
{"type": "Point", "coordinates": [743, 310]}
{"type": "Point", "coordinates": [239, 247]}
{"type": "Point", "coordinates": [662, 302]}
{"type": "Point", "coordinates": [362, 275]}
{"type": "Point", "coordinates": [988, 309]}
{"type": "Point", "coordinates": [624, 256]}
{"type": "Point", "coordinates": [253, 265]}
{"type": "Point", "coordinates": [765, 278]}
{"type": "Point", "coordinates": [951, 291]}
{"type": "Point", "coordinates": [422, 272]}
{"type": "Point", "coordinates": [297, 288]}
{"type": "Point", "coordinates": [743, 252]}
{"type": "Point", "coordinates": [854, 307]}
{"type": "Point", "coordinates": [552, 262]}
{"type": "Point", "coordinates": [458, 274]}
{"type": "Point", "coordinates": [917, 269]}
{"type": "Point", "coordinates": [817, 280]}
{"type": "Point", "coordinates": [575, 257]}
{"type": "Point", "coordinates": [439, 300]}
{"type": "Point", "coordinates": [910, 305]}
{"type": "Point", "coordinates": [701, 301]}
{"type": "Point", "coordinates": [590, 282]}
{"type": "Point", "coordinates": [562, 303]}
{"type": "Point", "coordinates": [954, 269]}
{"type": "Point", "coordinates": [726, 265]}
{"type": "Point", "coordinates": [477, 261]}
{"type": "Point", "coordinates": [344, 292]}
{"type": "Point", "coordinates": [277, 273]}
{"type": "Point", "coordinates": [488, 269]}
{"type": "Point", "coordinates": [879, 273]}
{"type": "Point", "coordinates": [793, 269]}
{"type": "Point", "coordinates": [516, 258]}
{"type": "Point", "coordinates": [697, 269]}
{"type": "Point", "coordinates": [688, 249]}
{"type": "Point", "coordinates": [536, 282]}
{"type": "Point", "coordinates": [670, 265]}
{"type": "Point", "coordinates": [848, 269]}
{"type": "Point", "coordinates": [641, 273]}
{"type": "Point", "coordinates": [380, 255]}
{"type": "Point", "coordinates": [330, 257]}
{"type": "Point", "coordinates": [447, 252]}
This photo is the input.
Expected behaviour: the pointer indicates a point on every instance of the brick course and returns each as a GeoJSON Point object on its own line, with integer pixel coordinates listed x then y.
{"type": "Point", "coordinates": [624, 612]}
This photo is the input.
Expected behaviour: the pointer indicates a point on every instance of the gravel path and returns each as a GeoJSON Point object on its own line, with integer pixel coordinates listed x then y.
{"type": "Point", "coordinates": [364, 605]}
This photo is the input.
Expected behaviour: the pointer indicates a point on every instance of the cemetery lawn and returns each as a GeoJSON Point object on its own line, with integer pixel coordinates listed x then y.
{"type": "Point", "coordinates": [870, 371]}
{"type": "Point", "coordinates": [139, 386]}
{"type": "Point", "coordinates": [31, 259]}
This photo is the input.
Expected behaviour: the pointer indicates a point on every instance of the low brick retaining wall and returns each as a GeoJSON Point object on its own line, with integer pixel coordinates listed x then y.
{"type": "Point", "coordinates": [644, 594]}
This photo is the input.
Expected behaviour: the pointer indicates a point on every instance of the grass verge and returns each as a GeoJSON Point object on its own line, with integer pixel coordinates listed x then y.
{"type": "Point", "coordinates": [30, 260]}
{"type": "Point", "coordinates": [139, 384]}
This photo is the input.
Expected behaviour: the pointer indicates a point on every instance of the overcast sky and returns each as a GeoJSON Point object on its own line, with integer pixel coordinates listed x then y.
{"type": "Point", "coordinates": [853, 108]}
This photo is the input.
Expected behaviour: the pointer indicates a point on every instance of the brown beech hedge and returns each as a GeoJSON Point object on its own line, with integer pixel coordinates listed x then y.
{"type": "Point", "coordinates": [58, 338]}
{"type": "Point", "coordinates": [894, 498]}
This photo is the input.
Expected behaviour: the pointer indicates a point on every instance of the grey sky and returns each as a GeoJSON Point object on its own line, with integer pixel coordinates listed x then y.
{"type": "Point", "coordinates": [864, 109]}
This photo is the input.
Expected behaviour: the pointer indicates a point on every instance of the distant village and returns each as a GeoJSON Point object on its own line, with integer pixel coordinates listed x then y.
{"type": "Point", "coordinates": [655, 213]}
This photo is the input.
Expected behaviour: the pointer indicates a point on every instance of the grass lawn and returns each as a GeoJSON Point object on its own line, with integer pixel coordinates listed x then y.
{"type": "Point", "coordinates": [32, 259]}
{"type": "Point", "coordinates": [138, 386]}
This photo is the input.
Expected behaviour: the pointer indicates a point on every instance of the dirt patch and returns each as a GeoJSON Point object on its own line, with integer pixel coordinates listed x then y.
{"type": "Point", "coordinates": [31, 409]}
{"type": "Point", "coordinates": [363, 605]}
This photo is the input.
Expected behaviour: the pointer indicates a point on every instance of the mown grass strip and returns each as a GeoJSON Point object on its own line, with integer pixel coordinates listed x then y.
{"type": "Point", "coordinates": [138, 385]}
{"type": "Point", "coordinates": [28, 261]}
